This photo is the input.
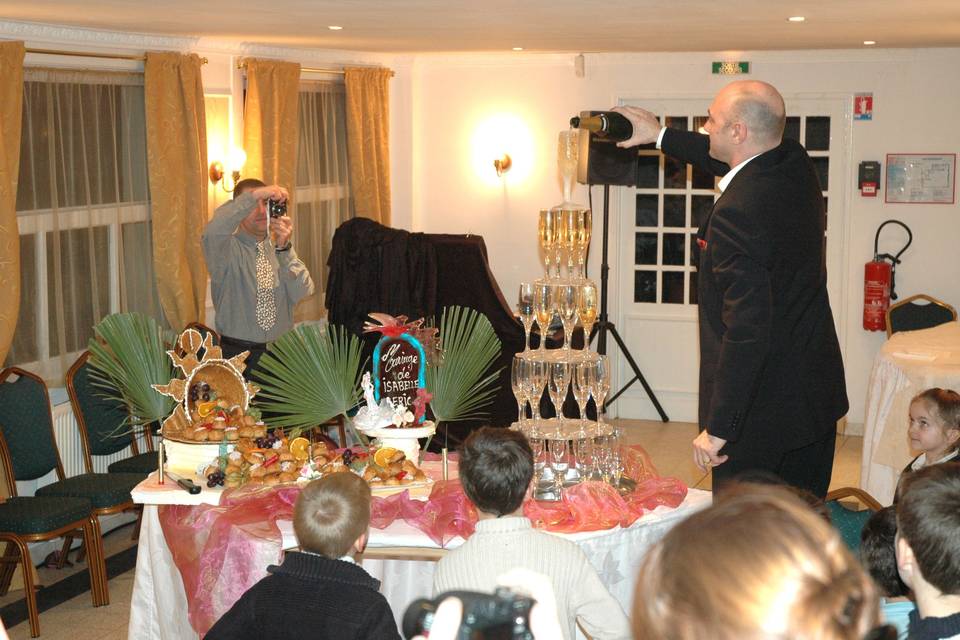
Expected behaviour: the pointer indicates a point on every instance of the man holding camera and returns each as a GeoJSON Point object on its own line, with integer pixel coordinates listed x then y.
{"type": "Point", "coordinates": [255, 276]}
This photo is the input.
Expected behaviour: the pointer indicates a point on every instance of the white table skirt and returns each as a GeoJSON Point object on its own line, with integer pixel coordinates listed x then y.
{"type": "Point", "coordinates": [158, 608]}
{"type": "Point", "coordinates": [908, 363]}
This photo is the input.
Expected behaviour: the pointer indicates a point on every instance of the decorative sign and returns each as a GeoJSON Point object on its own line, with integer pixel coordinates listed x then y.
{"type": "Point", "coordinates": [731, 68]}
{"type": "Point", "coordinates": [927, 178]}
{"type": "Point", "coordinates": [863, 106]}
{"type": "Point", "coordinates": [399, 369]}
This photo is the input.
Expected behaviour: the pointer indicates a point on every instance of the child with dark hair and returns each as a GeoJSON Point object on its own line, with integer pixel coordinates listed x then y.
{"type": "Point", "coordinates": [928, 549]}
{"type": "Point", "coordinates": [878, 555]}
{"type": "Point", "coordinates": [319, 592]}
{"type": "Point", "coordinates": [934, 427]}
{"type": "Point", "coordinates": [496, 467]}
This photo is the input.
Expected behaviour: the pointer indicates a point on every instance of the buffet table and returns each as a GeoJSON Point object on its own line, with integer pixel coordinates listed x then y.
{"type": "Point", "coordinates": [400, 556]}
{"type": "Point", "coordinates": [908, 363]}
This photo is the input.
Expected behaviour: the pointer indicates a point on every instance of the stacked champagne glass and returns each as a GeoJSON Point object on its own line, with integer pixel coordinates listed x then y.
{"type": "Point", "coordinates": [567, 449]}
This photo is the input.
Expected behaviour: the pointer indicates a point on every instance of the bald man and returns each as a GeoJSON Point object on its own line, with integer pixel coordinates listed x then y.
{"type": "Point", "coordinates": [771, 377]}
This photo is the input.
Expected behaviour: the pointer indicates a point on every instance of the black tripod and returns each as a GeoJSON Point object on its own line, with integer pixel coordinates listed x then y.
{"type": "Point", "coordinates": [604, 325]}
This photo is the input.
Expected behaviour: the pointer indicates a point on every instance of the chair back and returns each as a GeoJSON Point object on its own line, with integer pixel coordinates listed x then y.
{"type": "Point", "coordinates": [910, 315]}
{"type": "Point", "coordinates": [848, 522]}
{"type": "Point", "coordinates": [27, 425]}
{"type": "Point", "coordinates": [100, 419]}
{"type": "Point", "coordinates": [204, 330]}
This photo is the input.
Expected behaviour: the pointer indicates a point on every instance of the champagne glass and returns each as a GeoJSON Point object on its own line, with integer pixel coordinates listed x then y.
{"type": "Point", "coordinates": [558, 238]}
{"type": "Point", "coordinates": [601, 384]}
{"type": "Point", "coordinates": [559, 381]}
{"type": "Point", "coordinates": [548, 235]}
{"type": "Point", "coordinates": [580, 380]}
{"type": "Point", "coordinates": [567, 306]}
{"type": "Point", "coordinates": [525, 309]}
{"type": "Point", "coordinates": [581, 444]}
{"type": "Point", "coordinates": [534, 383]}
{"type": "Point", "coordinates": [536, 446]}
{"type": "Point", "coordinates": [568, 152]}
{"type": "Point", "coordinates": [557, 448]}
{"type": "Point", "coordinates": [570, 238]}
{"type": "Point", "coordinates": [587, 306]}
{"type": "Point", "coordinates": [543, 306]}
{"type": "Point", "coordinates": [584, 230]}
{"type": "Point", "coordinates": [517, 374]}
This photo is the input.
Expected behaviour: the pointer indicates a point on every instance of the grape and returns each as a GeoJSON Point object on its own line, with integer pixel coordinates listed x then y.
{"type": "Point", "coordinates": [216, 478]}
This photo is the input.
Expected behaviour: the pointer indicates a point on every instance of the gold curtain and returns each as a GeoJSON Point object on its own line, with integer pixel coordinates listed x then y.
{"type": "Point", "coordinates": [177, 161]}
{"type": "Point", "coordinates": [11, 112]}
{"type": "Point", "coordinates": [368, 141]}
{"type": "Point", "coordinates": [270, 113]}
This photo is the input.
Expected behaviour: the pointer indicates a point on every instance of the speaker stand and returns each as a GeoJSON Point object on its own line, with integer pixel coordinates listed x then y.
{"type": "Point", "coordinates": [604, 325]}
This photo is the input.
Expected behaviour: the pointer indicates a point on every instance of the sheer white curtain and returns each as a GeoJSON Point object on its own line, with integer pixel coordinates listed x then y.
{"type": "Point", "coordinates": [83, 211]}
{"type": "Point", "coordinates": [322, 192]}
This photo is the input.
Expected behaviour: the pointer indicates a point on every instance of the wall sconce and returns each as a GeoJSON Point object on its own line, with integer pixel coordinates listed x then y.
{"type": "Point", "coordinates": [502, 164]}
{"type": "Point", "coordinates": [237, 159]}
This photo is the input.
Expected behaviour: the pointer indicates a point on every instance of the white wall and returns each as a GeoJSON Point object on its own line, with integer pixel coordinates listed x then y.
{"type": "Point", "coordinates": [916, 99]}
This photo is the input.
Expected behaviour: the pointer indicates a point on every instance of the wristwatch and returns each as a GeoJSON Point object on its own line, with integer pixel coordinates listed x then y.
{"type": "Point", "coordinates": [284, 248]}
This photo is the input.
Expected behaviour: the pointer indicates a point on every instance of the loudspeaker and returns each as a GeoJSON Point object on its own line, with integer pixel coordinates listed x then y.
{"type": "Point", "coordinates": [603, 162]}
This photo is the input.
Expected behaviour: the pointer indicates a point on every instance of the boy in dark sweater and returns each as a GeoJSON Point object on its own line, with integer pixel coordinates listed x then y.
{"type": "Point", "coordinates": [318, 592]}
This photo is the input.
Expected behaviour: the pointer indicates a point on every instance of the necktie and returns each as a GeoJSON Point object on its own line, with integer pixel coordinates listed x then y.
{"type": "Point", "coordinates": [266, 305]}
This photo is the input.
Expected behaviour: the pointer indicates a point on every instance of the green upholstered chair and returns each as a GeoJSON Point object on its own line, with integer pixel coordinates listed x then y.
{"type": "Point", "coordinates": [850, 521]}
{"type": "Point", "coordinates": [101, 424]}
{"type": "Point", "coordinates": [27, 425]}
{"type": "Point", "coordinates": [30, 519]}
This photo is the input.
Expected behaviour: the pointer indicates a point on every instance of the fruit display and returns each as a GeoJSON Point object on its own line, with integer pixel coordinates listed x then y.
{"type": "Point", "coordinates": [265, 459]}
{"type": "Point", "coordinates": [385, 467]}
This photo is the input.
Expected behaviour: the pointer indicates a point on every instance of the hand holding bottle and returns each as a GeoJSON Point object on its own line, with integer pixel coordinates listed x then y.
{"type": "Point", "coordinates": [646, 127]}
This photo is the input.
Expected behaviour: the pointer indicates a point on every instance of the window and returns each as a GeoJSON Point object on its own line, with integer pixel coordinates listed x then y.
{"type": "Point", "coordinates": [322, 194]}
{"type": "Point", "coordinates": [83, 213]}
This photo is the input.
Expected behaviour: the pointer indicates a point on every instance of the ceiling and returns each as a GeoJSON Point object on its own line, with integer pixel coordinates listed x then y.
{"type": "Point", "coordinates": [395, 26]}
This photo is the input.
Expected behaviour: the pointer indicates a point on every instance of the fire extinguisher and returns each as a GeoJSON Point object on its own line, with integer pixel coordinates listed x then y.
{"type": "Point", "coordinates": [879, 282]}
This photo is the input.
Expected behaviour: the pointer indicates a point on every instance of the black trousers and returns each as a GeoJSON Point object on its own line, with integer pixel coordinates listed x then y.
{"type": "Point", "coordinates": [809, 467]}
{"type": "Point", "coordinates": [234, 346]}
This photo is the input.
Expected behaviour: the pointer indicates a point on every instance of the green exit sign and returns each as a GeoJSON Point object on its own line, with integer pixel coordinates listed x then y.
{"type": "Point", "coordinates": [731, 68]}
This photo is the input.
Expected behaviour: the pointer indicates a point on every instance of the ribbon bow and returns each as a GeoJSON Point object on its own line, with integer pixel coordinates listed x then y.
{"type": "Point", "coordinates": [391, 326]}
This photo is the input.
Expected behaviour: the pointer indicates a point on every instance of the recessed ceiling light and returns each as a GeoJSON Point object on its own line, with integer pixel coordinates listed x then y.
{"type": "Point", "coordinates": [869, 42]}
{"type": "Point", "coordinates": [334, 27]}
{"type": "Point", "coordinates": [518, 48]}
{"type": "Point", "coordinates": [796, 19]}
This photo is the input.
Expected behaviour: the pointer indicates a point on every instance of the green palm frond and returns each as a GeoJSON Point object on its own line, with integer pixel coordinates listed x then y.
{"type": "Point", "coordinates": [128, 354]}
{"type": "Point", "coordinates": [463, 386]}
{"type": "Point", "coordinates": [309, 375]}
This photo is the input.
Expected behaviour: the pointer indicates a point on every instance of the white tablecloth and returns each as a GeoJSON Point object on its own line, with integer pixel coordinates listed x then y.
{"type": "Point", "coordinates": [908, 363]}
{"type": "Point", "coordinates": [158, 608]}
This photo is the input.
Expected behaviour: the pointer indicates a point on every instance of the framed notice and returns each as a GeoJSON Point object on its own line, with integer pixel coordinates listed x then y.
{"type": "Point", "coordinates": [921, 178]}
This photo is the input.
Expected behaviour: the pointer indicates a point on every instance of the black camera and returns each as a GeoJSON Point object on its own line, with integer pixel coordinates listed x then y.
{"type": "Point", "coordinates": [276, 208]}
{"type": "Point", "coordinates": [501, 616]}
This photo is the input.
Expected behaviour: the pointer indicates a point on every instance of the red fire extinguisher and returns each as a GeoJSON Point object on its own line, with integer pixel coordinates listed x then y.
{"type": "Point", "coordinates": [879, 282]}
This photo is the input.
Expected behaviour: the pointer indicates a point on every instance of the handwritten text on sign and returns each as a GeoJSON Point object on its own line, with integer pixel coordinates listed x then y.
{"type": "Point", "coordinates": [399, 369]}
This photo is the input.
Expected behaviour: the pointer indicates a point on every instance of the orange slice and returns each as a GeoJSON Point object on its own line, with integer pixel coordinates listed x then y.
{"type": "Point", "coordinates": [206, 408]}
{"type": "Point", "coordinates": [383, 455]}
{"type": "Point", "coordinates": [300, 448]}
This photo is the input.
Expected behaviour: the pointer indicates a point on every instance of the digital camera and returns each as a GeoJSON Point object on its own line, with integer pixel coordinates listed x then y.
{"type": "Point", "coordinates": [501, 616]}
{"type": "Point", "coordinates": [276, 208]}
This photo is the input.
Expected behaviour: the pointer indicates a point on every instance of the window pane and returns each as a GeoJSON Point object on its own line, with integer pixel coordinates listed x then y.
{"type": "Point", "coordinates": [674, 211]}
{"type": "Point", "coordinates": [81, 258]}
{"type": "Point", "coordinates": [822, 166]}
{"type": "Point", "coordinates": [700, 207]}
{"type": "Point", "coordinates": [645, 286]}
{"type": "Point", "coordinates": [24, 347]}
{"type": "Point", "coordinates": [677, 122]}
{"type": "Point", "coordinates": [648, 168]}
{"type": "Point", "coordinates": [792, 128]}
{"type": "Point", "coordinates": [693, 287]}
{"type": "Point", "coordinates": [702, 179]}
{"type": "Point", "coordinates": [673, 287]}
{"type": "Point", "coordinates": [673, 248]}
{"type": "Point", "coordinates": [646, 210]}
{"type": "Point", "coordinates": [645, 251]}
{"type": "Point", "coordinates": [139, 290]}
{"type": "Point", "coordinates": [818, 133]}
{"type": "Point", "coordinates": [674, 173]}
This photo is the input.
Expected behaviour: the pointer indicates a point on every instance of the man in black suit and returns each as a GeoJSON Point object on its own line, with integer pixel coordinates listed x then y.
{"type": "Point", "coordinates": [771, 376]}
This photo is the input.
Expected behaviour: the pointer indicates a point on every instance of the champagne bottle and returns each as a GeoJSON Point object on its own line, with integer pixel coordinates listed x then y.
{"type": "Point", "coordinates": [608, 125]}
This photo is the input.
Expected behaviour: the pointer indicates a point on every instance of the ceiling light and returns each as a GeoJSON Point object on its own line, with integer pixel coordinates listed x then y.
{"type": "Point", "coordinates": [869, 42]}
{"type": "Point", "coordinates": [334, 27]}
{"type": "Point", "coordinates": [796, 19]}
{"type": "Point", "coordinates": [518, 48]}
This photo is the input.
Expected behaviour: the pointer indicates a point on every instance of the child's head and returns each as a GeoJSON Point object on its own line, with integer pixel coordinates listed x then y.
{"type": "Point", "coordinates": [332, 513]}
{"type": "Point", "coordinates": [928, 524]}
{"type": "Point", "coordinates": [935, 422]}
{"type": "Point", "coordinates": [496, 466]}
{"type": "Point", "coordinates": [878, 552]}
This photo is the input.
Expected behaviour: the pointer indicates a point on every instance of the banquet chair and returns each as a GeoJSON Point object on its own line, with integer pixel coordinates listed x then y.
{"type": "Point", "coordinates": [204, 330]}
{"type": "Point", "coordinates": [31, 519]}
{"type": "Point", "coordinates": [26, 422]}
{"type": "Point", "coordinates": [909, 315]}
{"type": "Point", "coordinates": [850, 522]}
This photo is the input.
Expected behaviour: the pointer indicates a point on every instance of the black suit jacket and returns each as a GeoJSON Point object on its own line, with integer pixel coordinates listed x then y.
{"type": "Point", "coordinates": [771, 375]}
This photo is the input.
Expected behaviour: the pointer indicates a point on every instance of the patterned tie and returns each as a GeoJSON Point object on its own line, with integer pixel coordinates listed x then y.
{"type": "Point", "coordinates": [266, 305]}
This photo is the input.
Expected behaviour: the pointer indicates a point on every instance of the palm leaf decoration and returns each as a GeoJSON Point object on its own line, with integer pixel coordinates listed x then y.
{"type": "Point", "coordinates": [463, 385]}
{"type": "Point", "coordinates": [308, 376]}
{"type": "Point", "coordinates": [128, 354]}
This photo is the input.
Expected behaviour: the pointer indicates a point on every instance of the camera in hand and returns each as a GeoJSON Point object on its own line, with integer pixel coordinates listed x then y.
{"type": "Point", "coordinates": [501, 616]}
{"type": "Point", "coordinates": [276, 208]}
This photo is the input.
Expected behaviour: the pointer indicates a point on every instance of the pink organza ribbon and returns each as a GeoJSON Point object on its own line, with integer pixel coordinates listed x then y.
{"type": "Point", "coordinates": [445, 514]}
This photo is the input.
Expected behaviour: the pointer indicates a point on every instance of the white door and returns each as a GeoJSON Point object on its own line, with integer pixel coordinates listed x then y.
{"type": "Point", "coordinates": [656, 281]}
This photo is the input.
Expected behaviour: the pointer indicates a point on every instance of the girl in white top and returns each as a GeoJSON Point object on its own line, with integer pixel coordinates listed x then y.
{"type": "Point", "coordinates": [934, 427]}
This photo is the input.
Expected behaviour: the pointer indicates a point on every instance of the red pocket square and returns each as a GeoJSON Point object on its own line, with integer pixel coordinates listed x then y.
{"type": "Point", "coordinates": [701, 243]}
